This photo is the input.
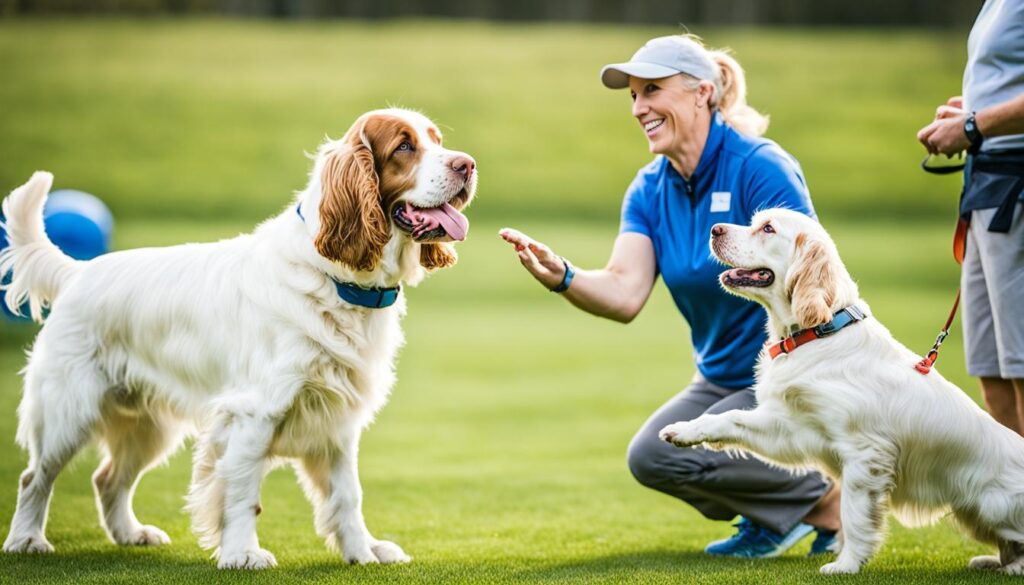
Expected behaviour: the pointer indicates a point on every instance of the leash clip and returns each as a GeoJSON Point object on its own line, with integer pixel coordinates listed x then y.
{"type": "Point", "coordinates": [925, 365]}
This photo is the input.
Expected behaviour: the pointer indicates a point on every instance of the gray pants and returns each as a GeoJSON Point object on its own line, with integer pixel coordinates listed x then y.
{"type": "Point", "coordinates": [720, 486]}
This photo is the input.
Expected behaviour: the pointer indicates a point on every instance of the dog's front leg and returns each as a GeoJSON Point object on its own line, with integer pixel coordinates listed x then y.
{"type": "Point", "coordinates": [344, 511]}
{"type": "Point", "coordinates": [241, 469]}
{"type": "Point", "coordinates": [763, 431]}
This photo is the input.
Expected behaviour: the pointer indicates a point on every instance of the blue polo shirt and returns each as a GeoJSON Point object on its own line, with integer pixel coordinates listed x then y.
{"type": "Point", "coordinates": [736, 177]}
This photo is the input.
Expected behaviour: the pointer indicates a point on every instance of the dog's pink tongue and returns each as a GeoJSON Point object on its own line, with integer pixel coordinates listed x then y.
{"type": "Point", "coordinates": [453, 222]}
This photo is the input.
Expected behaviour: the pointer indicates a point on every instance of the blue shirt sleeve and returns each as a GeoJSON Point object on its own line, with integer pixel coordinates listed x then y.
{"type": "Point", "coordinates": [772, 178]}
{"type": "Point", "coordinates": [635, 207]}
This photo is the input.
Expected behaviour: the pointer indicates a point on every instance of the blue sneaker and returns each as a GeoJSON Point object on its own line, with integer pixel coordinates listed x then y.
{"type": "Point", "coordinates": [826, 542]}
{"type": "Point", "coordinates": [752, 541]}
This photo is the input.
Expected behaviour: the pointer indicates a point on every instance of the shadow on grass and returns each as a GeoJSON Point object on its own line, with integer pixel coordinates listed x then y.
{"type": "Point", "coordinates": [154, 566]}
{"type": "Point", "coordinates": [695, 567]}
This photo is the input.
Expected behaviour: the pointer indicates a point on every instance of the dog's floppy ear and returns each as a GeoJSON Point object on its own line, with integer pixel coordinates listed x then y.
{"type": "Point", "coordinates": [353, 226]}
{"type": "Point", "coordinates": [440, 255]}
{"type": "Point", "coordinates": [811, 282]}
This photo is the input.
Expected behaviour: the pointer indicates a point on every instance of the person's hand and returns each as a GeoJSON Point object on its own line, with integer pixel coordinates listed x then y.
{"type": "Point", "coordinates": [945, 135]}
{"type": "Point", "coordinates": [546, 266]}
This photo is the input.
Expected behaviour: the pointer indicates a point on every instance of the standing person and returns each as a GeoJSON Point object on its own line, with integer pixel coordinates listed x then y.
{"type": "Point", "coordinates": [711, 167]}
{"type": "Point", "coordinates": [988, 122]}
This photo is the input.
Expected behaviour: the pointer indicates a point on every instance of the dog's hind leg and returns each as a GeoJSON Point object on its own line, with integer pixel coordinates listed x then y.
{"type": "Point", "coordinates": [57, 416]}
{"type": "Point", "coordinates": [135, 441]}
{"type": "Point", "coordinates": [866, 484]}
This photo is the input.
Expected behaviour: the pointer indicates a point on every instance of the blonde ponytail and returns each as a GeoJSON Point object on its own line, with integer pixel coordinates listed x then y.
{"type": "Point", "coordinates": [731, 97]}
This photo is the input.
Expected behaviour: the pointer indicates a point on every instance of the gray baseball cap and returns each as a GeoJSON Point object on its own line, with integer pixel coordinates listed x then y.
{"type": "Point", "coordinates": [662, 57]}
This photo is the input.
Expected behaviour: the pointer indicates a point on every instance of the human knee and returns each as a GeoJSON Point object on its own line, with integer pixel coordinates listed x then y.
{"type": "Point", "coordinates": [658, 465]}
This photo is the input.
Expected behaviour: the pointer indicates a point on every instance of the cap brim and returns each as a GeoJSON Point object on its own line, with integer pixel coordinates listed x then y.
{"type": "Point", "coordinates": [616, 76]}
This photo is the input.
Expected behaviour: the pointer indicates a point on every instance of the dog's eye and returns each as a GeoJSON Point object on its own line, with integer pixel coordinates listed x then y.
{"type": "Point", "coordinates": [768, 229]}
{"type": "Point", "coordinates": [405, 146]}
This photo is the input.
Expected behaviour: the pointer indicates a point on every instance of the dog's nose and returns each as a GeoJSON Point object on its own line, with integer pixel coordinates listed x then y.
{"type": "Point", "coordinates": [717, 230]}
{"type": "Point", "coordinates": [463, 165]}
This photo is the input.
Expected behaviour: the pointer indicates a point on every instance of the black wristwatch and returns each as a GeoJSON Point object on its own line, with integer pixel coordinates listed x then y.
{"type": "Point", "coordinates": [972, 132]}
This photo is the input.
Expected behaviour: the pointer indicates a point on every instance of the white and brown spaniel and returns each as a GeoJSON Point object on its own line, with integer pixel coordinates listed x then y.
{"type": "Point", "coordinates": [273, 346]}
{"type": "Point", "coordinates": [842, 395]}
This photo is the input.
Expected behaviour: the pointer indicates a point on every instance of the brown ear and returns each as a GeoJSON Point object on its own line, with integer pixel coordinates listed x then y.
{"type": "Point", "coordinates": [353, 227]}
{"type": "Point", "coordinates": [434, 256]}
{"type": "Point", "coordinates": [811, 283]}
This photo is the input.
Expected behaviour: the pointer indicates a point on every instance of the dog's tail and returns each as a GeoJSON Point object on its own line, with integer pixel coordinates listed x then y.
{"type": "Point", "coordinates": [36, 267]}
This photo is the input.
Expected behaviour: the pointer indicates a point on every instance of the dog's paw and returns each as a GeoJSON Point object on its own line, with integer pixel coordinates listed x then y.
{"type": "Point", "coordinates": [681, 434]}
{"type": "Point", "coordinates": [143, 536]}
{"type": "Point", "coordinates": [359, 555]}
{"type": "Point", "coordinates": [840, 568]}
{"type": "Point", "coordinates": [1014, 568]}
{"type": "Point", "coordinates": [985, 563]}
{"type": "Point", "coordinates": [32, 544]}
{"type": "Point", "coordinates": [249, 559]}
{"type": "Point", "coordinates": [389, 552]}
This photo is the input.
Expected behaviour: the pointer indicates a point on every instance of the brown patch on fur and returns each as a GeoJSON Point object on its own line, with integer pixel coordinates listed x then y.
{"type": "Point", "coordinates": [258, 509]}
{"type": "Point", "coordinates": [801, 239]}
{"type": "Point", "coordinates": [26, 479]}
{"type": "Point", "coordinates": [396, 168]}
{"type": "Point", "coordinates": [434, 135]}
{"type": "Point", "coordinates": [811, 283]}
{"type": "Point", "coordinates": [353, 227]}
{"type": "Point", "coordinates": [434, 256]}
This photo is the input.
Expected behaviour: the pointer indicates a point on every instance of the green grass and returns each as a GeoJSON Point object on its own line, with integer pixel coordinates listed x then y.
{"type": "Point", "coordinates": [501, 457]}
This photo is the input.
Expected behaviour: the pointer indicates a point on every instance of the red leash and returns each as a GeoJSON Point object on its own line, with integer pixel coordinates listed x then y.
{"type": "Point", "coordinates": [959, 245]}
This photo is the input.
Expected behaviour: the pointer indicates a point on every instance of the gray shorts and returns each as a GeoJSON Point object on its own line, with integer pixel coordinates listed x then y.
{"type": "Point", "coordinates": [992, 283]}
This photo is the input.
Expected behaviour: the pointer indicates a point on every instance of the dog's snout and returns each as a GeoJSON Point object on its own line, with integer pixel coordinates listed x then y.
{"type": "Point", "coordinates": [464, 165]}
{"type": "Point", "coordinates": [717, 230]}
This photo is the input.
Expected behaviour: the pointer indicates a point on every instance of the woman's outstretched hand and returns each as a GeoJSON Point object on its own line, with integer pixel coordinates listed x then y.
{"type": "Point", "coordinates": [546, 266]}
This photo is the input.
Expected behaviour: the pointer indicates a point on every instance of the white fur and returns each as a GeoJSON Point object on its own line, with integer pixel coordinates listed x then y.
{"type": "Point", "coordinates": [244, 342]}
{"type": "Point", "coordinates": [853, 405]}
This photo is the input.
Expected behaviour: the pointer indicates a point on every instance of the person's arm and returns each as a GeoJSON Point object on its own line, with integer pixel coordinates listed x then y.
{"type": "Point", "coordinates": [617, 292]}
{"type": "Point", "coordinates": [945, 135]}
{"type": "Point", "coordinates": [1002, 119]}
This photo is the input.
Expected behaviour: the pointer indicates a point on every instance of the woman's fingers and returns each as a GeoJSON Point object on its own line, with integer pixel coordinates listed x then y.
{"type": "Point", "coordinates": [946, 111]}
{"type": "Point", "coordinates": [514, 236]}
{"type": "Point", "coordinates": [538, 259]}
{"type": "Point", "coordinates": [956, 101]}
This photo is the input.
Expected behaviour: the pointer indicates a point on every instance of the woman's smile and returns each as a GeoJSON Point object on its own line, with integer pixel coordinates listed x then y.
{"type": "Point", "coordinates": [651, 127]}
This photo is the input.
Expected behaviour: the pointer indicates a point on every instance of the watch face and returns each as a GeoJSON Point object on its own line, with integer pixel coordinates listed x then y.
{"type": "Point", "coordinates": [971, 130]}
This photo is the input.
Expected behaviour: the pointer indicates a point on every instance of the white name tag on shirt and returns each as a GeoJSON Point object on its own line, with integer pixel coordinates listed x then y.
{"type": "Point", "coordinates": [720, 201]}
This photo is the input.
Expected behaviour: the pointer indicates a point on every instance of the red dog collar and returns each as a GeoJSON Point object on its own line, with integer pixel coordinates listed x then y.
{"type": "Point", "coordinates": [847, 316]}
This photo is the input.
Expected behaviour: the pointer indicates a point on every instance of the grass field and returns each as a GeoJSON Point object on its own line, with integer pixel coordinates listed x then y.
{"type": "Point", "coordinates": [501, 457]}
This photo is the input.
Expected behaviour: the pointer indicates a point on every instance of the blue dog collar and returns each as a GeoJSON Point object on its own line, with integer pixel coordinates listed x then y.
{"type": "Point", "coordinates": [372, 298]}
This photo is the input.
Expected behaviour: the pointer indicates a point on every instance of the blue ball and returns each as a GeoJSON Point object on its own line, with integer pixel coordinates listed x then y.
{"type": "Point", "coordinates": [77, 222]}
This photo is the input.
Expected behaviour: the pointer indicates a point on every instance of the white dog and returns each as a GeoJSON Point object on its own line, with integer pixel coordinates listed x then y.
{"type": "Point", "coordinates": [276, 345]}
{"type": "Point", "coordinates": [852, 404]}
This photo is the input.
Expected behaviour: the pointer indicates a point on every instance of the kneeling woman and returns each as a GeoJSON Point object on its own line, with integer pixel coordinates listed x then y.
{"type": "Point", "coordinates": [712, 166]}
